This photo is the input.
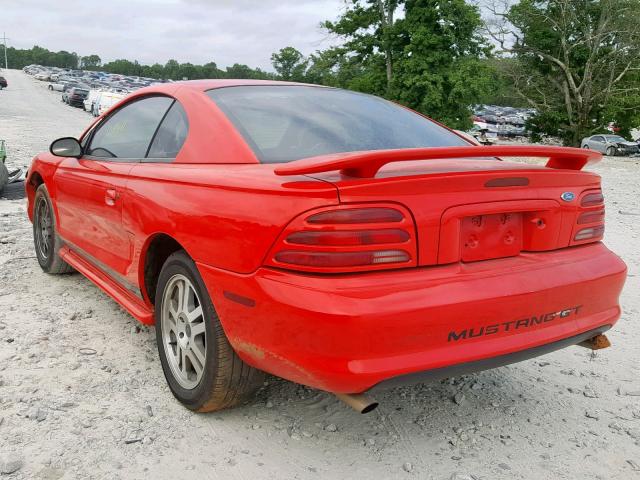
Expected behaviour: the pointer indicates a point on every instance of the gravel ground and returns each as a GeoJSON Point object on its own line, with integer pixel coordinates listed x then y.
{"type": "Point", "coordinates": [82, 395]}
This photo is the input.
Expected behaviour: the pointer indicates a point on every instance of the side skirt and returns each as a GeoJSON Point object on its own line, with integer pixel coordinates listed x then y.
{"type": "Point", "coordinates": [131, 303]}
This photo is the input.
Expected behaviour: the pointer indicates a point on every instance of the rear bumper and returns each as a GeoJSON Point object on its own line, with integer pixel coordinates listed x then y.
{"type": "Point", "coordinates": [348, 333]}
{"type": "Point", "coordinates": [491, 362]}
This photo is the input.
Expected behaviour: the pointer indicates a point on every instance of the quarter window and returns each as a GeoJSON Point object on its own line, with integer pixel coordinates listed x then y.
{"type": "Point", "coordinates": [128, 132]}
{"type": "Point", "coordinates": [171, 134]}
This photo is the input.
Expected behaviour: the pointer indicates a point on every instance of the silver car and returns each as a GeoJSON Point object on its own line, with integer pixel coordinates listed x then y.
{"type": "Point", "coordinates": [610, 145]}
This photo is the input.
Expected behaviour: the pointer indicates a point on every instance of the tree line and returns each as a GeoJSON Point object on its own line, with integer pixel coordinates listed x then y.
{"type": "Point", "coordinates": [577, 62]}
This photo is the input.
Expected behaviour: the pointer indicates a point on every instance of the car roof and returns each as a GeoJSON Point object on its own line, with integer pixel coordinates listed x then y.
{"type": "Point", "coordinates": [203, 85]}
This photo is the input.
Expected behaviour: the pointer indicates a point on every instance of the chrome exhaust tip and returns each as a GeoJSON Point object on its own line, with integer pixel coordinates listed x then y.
{"type": "Point", "coordinates": [360, 403]}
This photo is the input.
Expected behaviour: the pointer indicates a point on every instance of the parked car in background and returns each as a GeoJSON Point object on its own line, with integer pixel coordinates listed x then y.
{"type": "Point", "coordinates": [55, 86]}
{"type": "Point", "coordinates": [91, 100]}
{"type": "Point", "coordinates": [610, 145]}
{"type": "Point", "coordinates": [105, 101]}
{"type": "Point", "coordinates": [76, 96]}
{"type": "Point", "coordinates": [41, 76]}
{"type": "Point", "coordinates": [3, 83]}
{"type": "Point", "coordinates": [328, 237]}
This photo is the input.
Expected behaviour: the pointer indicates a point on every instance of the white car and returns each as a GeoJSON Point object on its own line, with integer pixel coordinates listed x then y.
{"type": "Point", "coordinates": [42, 76]}
{"type": "Point", "coordinates": [55, 86]}
{"type": "Point", "coordinates": [104, 101]}
{"type": "Point", "coordinates": [91, 100]}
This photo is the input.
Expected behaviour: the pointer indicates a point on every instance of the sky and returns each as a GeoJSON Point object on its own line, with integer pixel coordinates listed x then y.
{"type": "Point", "coordinates": [196, 31]}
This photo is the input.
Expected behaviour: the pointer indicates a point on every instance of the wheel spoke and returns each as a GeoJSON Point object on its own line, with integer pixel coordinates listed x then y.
{"type": "Point", "coordinates": [198, 352]}
{"type": "Point", "coordinates": [196, 363]}
{"type": "Point", "coordinates": [197, 329]}
{"type": "Point", "coordinates": [186, 292]}
{"type": "Point", "coordinates": [194, 314]}
{"type": "Point", "coordinates": [173, 314]}
{"type": "Point", "coordinates": [183, 359]}
{"type": "Point", "coordinates": [180, 286]}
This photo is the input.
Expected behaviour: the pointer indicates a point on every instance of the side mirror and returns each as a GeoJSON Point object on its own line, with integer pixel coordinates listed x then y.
{"type": "Point", "coordinates": [66, 147]}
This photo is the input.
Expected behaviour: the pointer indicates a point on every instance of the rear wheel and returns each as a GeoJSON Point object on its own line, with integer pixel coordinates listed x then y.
{"type": "Point", "coordinates": [201, 368]}
{"type": "Point", "coordinates": [46, 241]}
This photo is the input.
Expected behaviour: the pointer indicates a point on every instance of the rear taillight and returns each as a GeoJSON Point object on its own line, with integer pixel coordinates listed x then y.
{"type": "Point", "coordinates": [341, 259]}
{"type": "Point", "coordinates": [589, 233]}
{"type": "Point", "coordinates": [347, 239]}
{"type": "Point", "coordinates": [356, 215]}
{"type": "Point", "coordinates": [592, 199]}
{"type": "Point", "coordinates": [590, 220]}
{"type": "Point", "coordinates": [591, 217]}
{"type": "Point", "coordinates": [351, 237]}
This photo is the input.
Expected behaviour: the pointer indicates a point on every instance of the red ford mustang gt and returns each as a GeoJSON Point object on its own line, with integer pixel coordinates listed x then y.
{"type": "Point", "coordinates": [328, 237]}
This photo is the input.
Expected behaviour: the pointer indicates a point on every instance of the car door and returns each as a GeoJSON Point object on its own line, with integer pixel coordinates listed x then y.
{"type": "Point", "coordinates": [598, 144]}
{"type": "Point", "coordinates": [91, 190]}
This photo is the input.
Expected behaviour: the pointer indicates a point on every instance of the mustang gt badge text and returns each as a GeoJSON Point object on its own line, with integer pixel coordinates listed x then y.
{"type": "Point", "coordinates": [512, 325]}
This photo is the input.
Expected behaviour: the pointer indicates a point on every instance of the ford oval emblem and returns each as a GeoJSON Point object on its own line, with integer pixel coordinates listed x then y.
{"type": "Point", "coordinates": [568, 196]}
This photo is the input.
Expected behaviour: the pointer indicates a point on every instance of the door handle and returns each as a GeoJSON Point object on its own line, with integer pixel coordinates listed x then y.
{"type": "Point", "coordinates": [110, 197]}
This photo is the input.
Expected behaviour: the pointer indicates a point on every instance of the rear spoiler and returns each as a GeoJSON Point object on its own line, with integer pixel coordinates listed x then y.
{"type": "Point", "coordinates": [366, 164]}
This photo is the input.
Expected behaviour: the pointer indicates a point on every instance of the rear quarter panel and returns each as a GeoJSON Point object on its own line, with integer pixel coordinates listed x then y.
{"type": "Point", "coordinates": [224, 216]}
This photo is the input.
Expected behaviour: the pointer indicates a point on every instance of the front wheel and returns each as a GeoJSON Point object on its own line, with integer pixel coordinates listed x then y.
{"type": "Point", "coordinates": [203, 371]}
{"type": "Point", "coordinates": [611, 151]}
{"type": "Point", "coordinates": [46, 241]}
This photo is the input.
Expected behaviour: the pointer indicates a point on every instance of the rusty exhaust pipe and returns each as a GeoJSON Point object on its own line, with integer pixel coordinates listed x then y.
{"type": "Point", "coordinates": [360, 403]}
{"type": "Point", "coordinates": [596, 343]}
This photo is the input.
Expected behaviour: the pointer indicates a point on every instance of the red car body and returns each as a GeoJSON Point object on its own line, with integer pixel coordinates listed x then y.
{"type": "Point", "coordinates": [489, 259]}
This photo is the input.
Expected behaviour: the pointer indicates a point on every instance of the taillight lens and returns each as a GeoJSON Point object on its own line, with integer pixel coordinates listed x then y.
{"type": "Point", "coordinates": [342, 259]}
{"type": "Point", "coordinates": [591, 217]}
{"type": "Point", "coordinates": [347, 239]}
{"type": "Point", "coordinates": [589, 233]}
{"type": "Point", "coordinates": [356, 215]}
{"type": "Point", "coordinates": [589, 225]}
{"type": "Point", "coordinates": [350, 237]}
{"type": "Point", "coordinates": [592, 199]}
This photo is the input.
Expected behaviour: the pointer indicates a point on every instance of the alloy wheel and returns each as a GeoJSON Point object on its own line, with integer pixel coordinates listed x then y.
{"type": "Point", "coordinates": [183, 331]}
{"type": "Point", "coordinates": [44, 228]}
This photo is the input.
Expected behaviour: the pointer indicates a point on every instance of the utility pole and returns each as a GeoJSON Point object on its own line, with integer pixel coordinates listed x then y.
{"type": "Point", "coordinates": [4, 42]}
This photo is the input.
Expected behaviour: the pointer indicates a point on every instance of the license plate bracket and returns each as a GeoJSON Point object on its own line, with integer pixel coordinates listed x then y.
{"type": "Point", "coordinates": [483, 237]}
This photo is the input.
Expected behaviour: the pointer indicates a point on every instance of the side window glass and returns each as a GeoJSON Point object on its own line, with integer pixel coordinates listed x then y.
{"type": "Point", "coordinates": [128, 132]}
{"type": "Point", "coordinates": [171, 134]}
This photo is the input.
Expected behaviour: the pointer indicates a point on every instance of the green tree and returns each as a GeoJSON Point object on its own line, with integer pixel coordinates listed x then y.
{"type": "Point", "coordinates": [90, 62]}
{"type": "Point", "coordinates": [245, 72]}
{"type": "Point", "coordinates": [576, 62]}
{"type": "Point", "coordinates": [370, 33]}
{"type": "Point", "coordinates": [441, 72]}
{"type": "Point", "coordinates": [290, 64]}
{"type": "Point", "coordinates": [426, 54]}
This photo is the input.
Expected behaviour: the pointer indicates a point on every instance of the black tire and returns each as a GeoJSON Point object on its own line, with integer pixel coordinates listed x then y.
{"type": "Point", "coordinates": [50, 88]}
{"type": "Point", "coordinates": [611, 152]}
{"type": "Point", "coordinates": [225, 380]}
{"type": "Point", "coordinates": [46, 241]}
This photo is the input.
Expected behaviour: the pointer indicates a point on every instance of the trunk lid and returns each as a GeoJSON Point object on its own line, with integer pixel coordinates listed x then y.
{"type": "Point", "coordinates": [475, 209]}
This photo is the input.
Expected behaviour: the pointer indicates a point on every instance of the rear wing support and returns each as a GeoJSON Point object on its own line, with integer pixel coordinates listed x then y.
{"type": "Point", "coordinates": [366, 164]}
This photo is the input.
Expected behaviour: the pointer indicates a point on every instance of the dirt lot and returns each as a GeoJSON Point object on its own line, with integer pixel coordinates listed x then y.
{"type": "Point", "coordinates": [67, 412]}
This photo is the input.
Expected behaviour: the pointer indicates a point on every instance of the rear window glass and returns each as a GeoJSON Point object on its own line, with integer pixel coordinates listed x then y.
{"type": "Point", "coordinates": [286, 123]}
